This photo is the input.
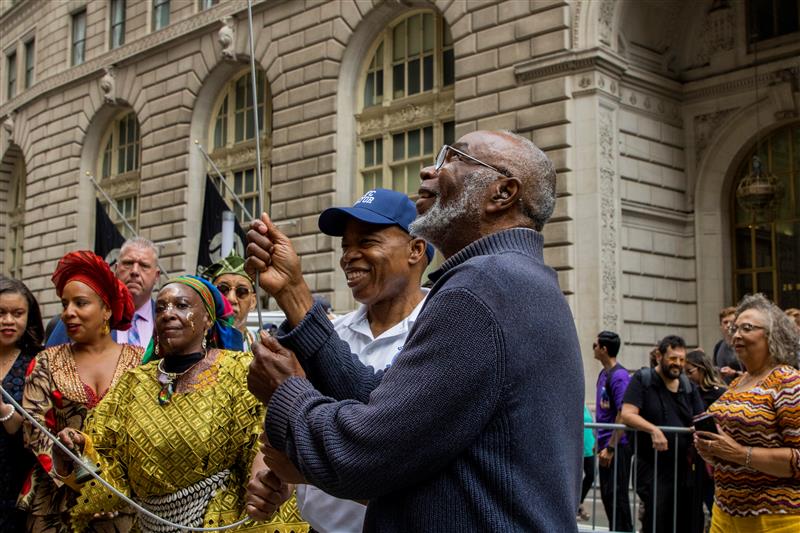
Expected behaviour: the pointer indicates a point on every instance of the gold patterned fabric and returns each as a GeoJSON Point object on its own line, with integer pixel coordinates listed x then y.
{"type": "Point", "coordinates": [147, 450]}
{"type": "Point", "coordinates": [55, 395]}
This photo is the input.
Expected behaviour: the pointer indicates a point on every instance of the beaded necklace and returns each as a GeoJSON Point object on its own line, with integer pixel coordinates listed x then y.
{"type": "Point", "coordinates": [168, 379]}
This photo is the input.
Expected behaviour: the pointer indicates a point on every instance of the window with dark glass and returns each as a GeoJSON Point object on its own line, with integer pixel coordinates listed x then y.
{"type": "Point", "coordinates": [79, 37]}
{"type": "Point", "coordinates": [412, 59]}
{"type": "Point", "coordinates": [116, 24]}
{"type": "Point", "coordinates": [11, 75]}
{"type": "Point", "coordinates": [30, 61]}
{"type": "Point", "coordinates": [160, 14]}
{"type": "Point", "coordinates": [233, 138]}
{"type": "Point", "coordinates": [766, 243]}
{"type": "Point", "coordinates": [208, 4]}
{"type": "Point", "coordinates": [767, 19]}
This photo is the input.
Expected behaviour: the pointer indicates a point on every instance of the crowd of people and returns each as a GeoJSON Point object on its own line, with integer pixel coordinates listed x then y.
{"type": "Point", "coordinates": [745, 466]}
{"type": "Point", "coordinates": [399, 416]}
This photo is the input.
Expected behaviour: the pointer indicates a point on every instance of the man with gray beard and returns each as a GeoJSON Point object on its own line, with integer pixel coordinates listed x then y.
{"type": "Point", "coordinates": [472, 428]}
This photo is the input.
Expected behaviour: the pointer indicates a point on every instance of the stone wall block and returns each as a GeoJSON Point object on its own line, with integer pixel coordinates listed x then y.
{"type": "Point", "coordinates": [495, 36]}
{"type": "Point", "coordinates": [466, 88]}
{"type": "Point", "coordinates": [322, 183]}
{"type": "Point", "coordinates": [484, 17]}
{"type": "Point", "coordinates": [550, 90]}
{"type": "Point", "coordinates": [477, 107]}
{"type": "Point", "coordinates": [292, 42]}
{"type": "Point", "coordinates": [289, 152]}
{"type": "Point", "coordinates": [512, 10]}
{"type": "Point", "coordinates": [304, 57]}
{"type": "Point", "coordinates": [514, 53]}
{"type": "Point", "coordinates": [302, 168]}
{"type": "Point", "coordinates": [459, 27]}
{"type": "Point", "coordinates": [507, 121]}
{"type": "Point", "coordinates": [542, 22]}
{"type": "Point", "coordinates": [559, 233]}
{"type": "Point", "coordinates": [543, 115]}
{"type": "Point", "coordinates": [476, 64]}
{"type": "Point", "coordinates": [549, 43]}
{"type": "Point", "coordinates": [319, 108]}
{"type": "Point", "coordinates": [305, 130]}
{"type": "Point", "coordinates": [287, 191]}
{"type": "Point", "coordinates": [319, 146]}
{"type": "Point", "coordinates": [496, 81]}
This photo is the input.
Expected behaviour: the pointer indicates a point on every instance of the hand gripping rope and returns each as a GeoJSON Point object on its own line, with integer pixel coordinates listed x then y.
{"type": "Point", "coordinates": [106, 484]}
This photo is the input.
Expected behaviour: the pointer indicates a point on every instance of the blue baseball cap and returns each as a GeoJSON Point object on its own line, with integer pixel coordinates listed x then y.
{"type": "Point", "coordinates": [378, 206]}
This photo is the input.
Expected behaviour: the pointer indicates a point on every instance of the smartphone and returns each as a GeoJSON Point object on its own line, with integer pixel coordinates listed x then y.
{"type": "Point", "coordinates": [706, 422]}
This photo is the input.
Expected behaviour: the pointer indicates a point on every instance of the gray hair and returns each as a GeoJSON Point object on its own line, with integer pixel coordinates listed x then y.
{"type": "Point", "coordinates": [538, 176]}
{"type": "Point", "coordinates": [139, 242]}
{"type": "Point", "coordinates": [782, 333]}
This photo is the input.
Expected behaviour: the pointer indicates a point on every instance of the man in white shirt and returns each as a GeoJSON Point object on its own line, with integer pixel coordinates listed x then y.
{"type": "Point", "coordinates": [383, 265]}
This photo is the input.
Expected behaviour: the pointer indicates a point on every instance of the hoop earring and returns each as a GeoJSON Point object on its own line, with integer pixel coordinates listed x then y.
{"type": "Point", "coordinates": [106, 328]}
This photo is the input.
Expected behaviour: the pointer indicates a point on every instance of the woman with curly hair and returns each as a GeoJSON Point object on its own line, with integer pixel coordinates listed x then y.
{"type": "Point", "coordinates": [21, 335]}
{"type": "Point", "coordinates": [756, 450]}
{"type": "Point", "coordinates": [66, 381]}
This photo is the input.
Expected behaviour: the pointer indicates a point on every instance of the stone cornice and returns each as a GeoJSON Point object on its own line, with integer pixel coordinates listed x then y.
{"type": "Point", "coordinates": [149, 44]}
{"type": "Point", "coordinates": [595, 59]}
{"type": "Point", "coordinates": [743, 83]}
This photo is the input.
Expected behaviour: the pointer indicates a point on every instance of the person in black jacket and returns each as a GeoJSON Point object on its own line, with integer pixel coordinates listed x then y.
{"type": "Point", "coordinates": [664, 396]}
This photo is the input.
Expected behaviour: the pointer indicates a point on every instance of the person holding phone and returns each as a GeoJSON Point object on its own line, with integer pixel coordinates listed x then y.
{"type": "Point", "coordinates": [756, 449]}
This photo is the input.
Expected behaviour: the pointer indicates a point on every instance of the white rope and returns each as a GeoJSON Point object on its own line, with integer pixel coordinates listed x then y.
{"type": "Point", "coordinates": [106, 484]}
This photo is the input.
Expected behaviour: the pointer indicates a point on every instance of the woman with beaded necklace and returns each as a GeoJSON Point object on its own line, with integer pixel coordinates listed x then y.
{"type": "Point", "coordinates": [180, 434]}
{"type": "Point", "coordinates": [68, 380]}
{"type": "Point", "coordinates": [21, 336]}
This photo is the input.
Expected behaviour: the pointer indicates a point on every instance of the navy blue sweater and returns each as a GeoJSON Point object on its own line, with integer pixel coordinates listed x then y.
{"type": "Point", "coordinates": [478, 424]}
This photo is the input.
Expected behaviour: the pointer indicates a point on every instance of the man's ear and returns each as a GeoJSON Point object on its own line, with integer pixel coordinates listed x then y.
{"type": "Point", "coordinates": [417, 254]}
{"type": "Point", "coordinates": [505, 193]}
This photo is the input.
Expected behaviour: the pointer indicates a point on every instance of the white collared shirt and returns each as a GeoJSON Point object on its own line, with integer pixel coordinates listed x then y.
{"type": "Point", "coordinates": [325, 513]}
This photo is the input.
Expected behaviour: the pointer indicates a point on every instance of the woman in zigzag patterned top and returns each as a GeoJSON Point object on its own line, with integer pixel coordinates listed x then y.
{"type": "Point", "coordinates": [756, 450]}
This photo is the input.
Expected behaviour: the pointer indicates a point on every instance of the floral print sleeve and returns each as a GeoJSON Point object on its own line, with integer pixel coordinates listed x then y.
{"type": "Point", "coordinates": [39, 400]}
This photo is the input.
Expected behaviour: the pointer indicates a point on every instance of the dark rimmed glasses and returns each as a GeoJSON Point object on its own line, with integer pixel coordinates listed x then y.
{"type": "Point", "coordinates": [241, 291]}
{"type": "Point", "coordinates": [441, 159]}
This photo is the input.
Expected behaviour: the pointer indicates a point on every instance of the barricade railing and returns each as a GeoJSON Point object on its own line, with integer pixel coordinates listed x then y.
{"type": "Point", "coordinates": [672, 434]}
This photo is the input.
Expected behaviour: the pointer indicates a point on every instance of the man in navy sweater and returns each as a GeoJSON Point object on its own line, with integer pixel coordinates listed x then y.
{"type": "Point", "coordinates": [477, 426]}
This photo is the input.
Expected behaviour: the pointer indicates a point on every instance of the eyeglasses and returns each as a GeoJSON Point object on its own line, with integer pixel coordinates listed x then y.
{"type": "Point", "coordinates": [744, 327]}
{"type": "Point", "coordinates": [241, 291]}
{"type": "Point", "coordinates": [441, 159]}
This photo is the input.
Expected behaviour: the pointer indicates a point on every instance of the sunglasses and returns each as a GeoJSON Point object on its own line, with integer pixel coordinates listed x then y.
{"type": "Point", "coordinates": [745, 327]}
{"type": "Point", "coordinates": [442, 158]}
{"type": "Point", "coordinates": [241, 291]}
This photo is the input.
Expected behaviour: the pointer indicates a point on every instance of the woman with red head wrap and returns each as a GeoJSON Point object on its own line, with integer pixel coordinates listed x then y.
{"type": "Point", "coordinates": [68, 380]}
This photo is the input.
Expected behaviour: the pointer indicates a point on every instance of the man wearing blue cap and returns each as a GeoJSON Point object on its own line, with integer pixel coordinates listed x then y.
{"type": "Point", "coordinates": [383, 265]}
{"type": "Point", "coordinates": [471, 428]}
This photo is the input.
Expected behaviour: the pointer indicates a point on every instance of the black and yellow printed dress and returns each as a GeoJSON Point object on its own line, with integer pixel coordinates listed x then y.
{"type": "Point", "coordinates": [193, 454]}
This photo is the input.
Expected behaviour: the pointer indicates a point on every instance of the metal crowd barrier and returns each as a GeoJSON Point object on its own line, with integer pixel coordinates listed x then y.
{"type": "Point", "coordinates": [633, 441]}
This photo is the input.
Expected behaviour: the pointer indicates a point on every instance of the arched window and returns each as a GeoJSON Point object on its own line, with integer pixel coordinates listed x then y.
{"type": "Point", "coordinates": [119, 171]}
{"type": "Point", "coordinates": [406, 103]}
{"type": "Point", "coordinates": [766, 245]}
{"type": "Point", "coordinates": [16, 220]}
{"type": "Point", "coordinates": [232, 141]}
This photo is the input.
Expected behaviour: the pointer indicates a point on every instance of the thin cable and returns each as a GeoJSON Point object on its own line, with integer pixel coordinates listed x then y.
{"type": "Point", "coordinates": [106, 484]}
{"type": "Point", "coordinates": [259, 181]}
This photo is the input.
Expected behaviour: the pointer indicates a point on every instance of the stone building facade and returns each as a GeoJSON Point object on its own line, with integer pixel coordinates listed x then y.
{"type": "Point", "coordinates": [649, 110]}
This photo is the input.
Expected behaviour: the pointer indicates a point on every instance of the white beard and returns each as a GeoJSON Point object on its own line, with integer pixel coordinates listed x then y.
{"type": "Point", "coordinates": [434, 225]}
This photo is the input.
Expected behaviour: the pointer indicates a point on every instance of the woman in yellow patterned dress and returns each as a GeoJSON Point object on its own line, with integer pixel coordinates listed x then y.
{"type": "Point", "coordinates": [66, 381]}
{"type": "Point", "coordinates": [180, 435]}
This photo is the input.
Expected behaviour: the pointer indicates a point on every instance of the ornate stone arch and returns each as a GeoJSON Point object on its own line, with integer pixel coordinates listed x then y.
{"type": "Point", "coordinates": [13, 182]}
{"type": "Point", "coordinates": [716, 170]}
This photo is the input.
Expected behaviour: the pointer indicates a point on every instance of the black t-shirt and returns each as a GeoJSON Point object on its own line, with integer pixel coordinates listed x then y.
{"type": "Point", "coordinates": [711, 395]}
{"type": "Point", "coordinates": [662, 407]}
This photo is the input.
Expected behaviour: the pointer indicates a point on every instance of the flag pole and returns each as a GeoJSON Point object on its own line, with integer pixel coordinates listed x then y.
{"type": "Point", "coordinates": [224, 181]}
{"type": "Point", "coordinates": [121, 216]}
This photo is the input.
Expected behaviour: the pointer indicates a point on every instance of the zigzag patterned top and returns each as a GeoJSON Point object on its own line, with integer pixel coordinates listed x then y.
{"type": "Point", "coordinates": [765, 416]}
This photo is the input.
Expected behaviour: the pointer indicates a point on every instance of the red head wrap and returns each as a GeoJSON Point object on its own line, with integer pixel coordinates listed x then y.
{"type": "Point", "coordinates": [89, 268]}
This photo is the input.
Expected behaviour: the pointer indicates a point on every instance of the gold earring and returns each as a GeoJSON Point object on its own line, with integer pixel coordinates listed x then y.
{"type": "Point", "coordinates": [204, 344]}
{"type": "Point", "coordinates": [155, 349]}
{"type": "Point", "coordinates": [106, 328]}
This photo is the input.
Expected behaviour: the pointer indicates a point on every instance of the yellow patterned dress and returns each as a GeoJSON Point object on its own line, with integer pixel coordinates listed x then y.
{"type": "Point", "coordinates": [150, 452]}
